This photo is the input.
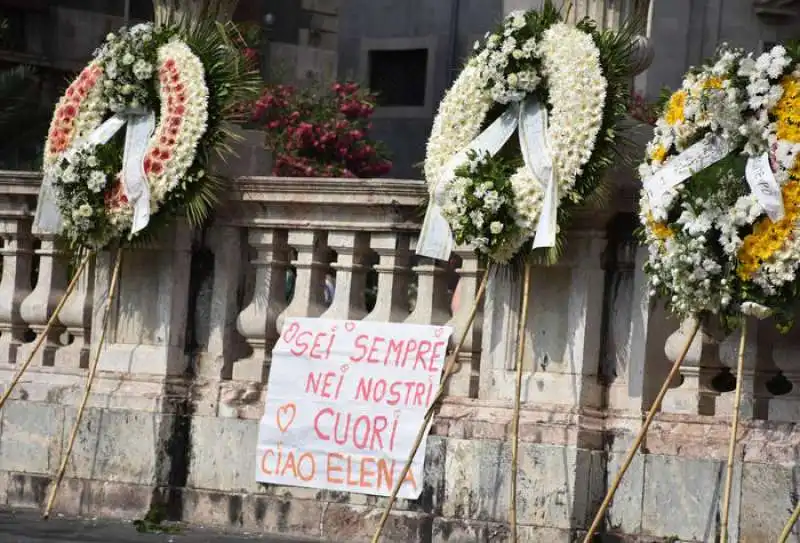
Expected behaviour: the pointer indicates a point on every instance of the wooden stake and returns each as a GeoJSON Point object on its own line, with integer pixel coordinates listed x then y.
{"type": "Point", "coordinates": [89, 381]}
{"type": "Point", "coordinates": [43, 335]}
{"type": "Point", "coordinates": [449, 369]}
{"type": "Point", "coordinates": [737, 401]}
{"type": "Point", "coordinates": [787, 530]}
{"type": "Point", "coordinates": [523, 321]}
{"type": "Point", "coordinates": [642, 432]}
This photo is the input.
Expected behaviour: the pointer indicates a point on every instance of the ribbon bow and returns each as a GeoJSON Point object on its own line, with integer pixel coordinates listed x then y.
{"type": "Point", "coordinates": [436, 239]}
{"type": "Point", "coordinates": [140, 126]}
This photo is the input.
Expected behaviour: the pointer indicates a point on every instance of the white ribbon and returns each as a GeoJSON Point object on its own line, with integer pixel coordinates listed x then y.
{"type": "Point", "coordinates": [141, 126]}
{"type": "Point", "coordinates": [536, 153]}
{"type": "Point", "coordinates": [764, 186]}
{"type": "Point", "coordinates": [703, 154]}
{"type": "Point", "coordinates": [436, 238]}
{"type": "Point", "coordinates": [696, 158]}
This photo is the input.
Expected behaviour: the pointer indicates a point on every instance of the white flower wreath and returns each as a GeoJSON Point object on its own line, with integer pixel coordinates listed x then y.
{"type": "Point", "coordinates": [545, 80]}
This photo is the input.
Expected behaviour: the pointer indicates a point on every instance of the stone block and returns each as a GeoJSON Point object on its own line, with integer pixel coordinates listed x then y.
{"type": "Point", "coordinates": [295, 517]}
{"type": "Point", "coordinates": [26, 490]}
{"type": "Point", "coordinates": [625, 512]}
{"type": "Point", "coordinates": [464, 531]}
{"type": "Point", "coordinates": [768, 498]}
{"type": "Point", "coordinates": [553, 486]}
{"type": "Point", "coordinates": [4, 481]}
{"type": "Point", "coordinates": [108, 499]}
{"type": "Point", "coordinates": [223, 454]}
{"type": "Point", "coordinates": [31, 437]}
{"type": "Point", "coordinates": [681, 497]}
{"type": "Point", "coordinates": [119, 446]}
{"type": "Point", "coordinates": [254, 512]}
{"type": "Point", "coordinates": [354, 524]}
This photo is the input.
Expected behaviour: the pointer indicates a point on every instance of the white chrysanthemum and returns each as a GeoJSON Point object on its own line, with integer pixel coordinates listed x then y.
{"type": "Point", "coordinates": [577, 94]}
{"type": "Point", "coordinates": [458, 121]}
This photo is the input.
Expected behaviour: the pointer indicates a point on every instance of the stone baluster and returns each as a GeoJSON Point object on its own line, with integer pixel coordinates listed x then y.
{"type": "Point", "coordinates": [311, 264]}
{"type": "Point", "coordinates": [391, 304]}
{"type": "Point", "coordinates": [693, 393]}
{"type": "Point", "coordinates": [37, 308]}
{"type": "Point", "coordinates": [257, 322]}
{"type": "Point", "coordinates": [15, 284]}
{"type": "Point", "coordinates": [756, 372]}
{"type": "Point", "coordinates": [785, 386]}
{"type": "Point", "coordinates": [465, 381]}
{"type": "Point", "coordinates": [433, 302]}
{"type": "Point", "coordinates": [76, 317]}
{"type": "Point", "coordinates": [225, 243]}
{"type": "Point", "coordinates": [348, 301]}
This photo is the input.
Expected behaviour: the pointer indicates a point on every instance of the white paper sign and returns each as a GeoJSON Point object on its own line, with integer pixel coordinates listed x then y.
{"type": "Point", "coordinates": [345, 401]}
{"type": "Point", "coordinates": [695, 159]}
{"type": "Point", "coordinates": [764, 186]}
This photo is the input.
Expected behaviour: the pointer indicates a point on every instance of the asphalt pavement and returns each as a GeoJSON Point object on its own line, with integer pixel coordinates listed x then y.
{"type": "Point", "coordinates": [26, 526]}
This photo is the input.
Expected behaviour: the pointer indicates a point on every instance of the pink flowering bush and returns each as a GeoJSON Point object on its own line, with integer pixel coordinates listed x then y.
{"type": "Point", "coordinates": [320, 132]}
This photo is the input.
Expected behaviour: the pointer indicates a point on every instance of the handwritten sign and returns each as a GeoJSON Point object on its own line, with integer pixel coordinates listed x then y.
{"type": "Point", "coordinates": [345, 401]}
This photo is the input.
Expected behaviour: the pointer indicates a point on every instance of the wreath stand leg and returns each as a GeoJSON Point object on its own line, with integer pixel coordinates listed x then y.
{"type": "Point", "coordinates": [737, 400]}
{"type": "Point", "coordinates": [642, 432]}
{"type": "Point", "coordinates": [51, 321]}
{"type": "Point", "coordinates": [89, 381]}
{"type": "Point", "coordinates": [523, 320]}
{"type": "Point", "coordinates": [449, 369]}
{"type": "Point", "coordinates": [787, 530]}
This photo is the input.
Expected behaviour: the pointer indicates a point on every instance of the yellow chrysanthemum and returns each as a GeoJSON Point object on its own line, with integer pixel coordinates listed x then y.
{"type": "Point", "coordinates": [713, 83]}
{"type": "Point", "coordinates": [768, 237]}
{"type": "Point", "coordinates": [787, 110]}
{"type": "Point", "coordinates": [659, 229]}
{"type": "Point", "coordinates": [675, 107]}
{"type": "Point", "coordinates": [658, 154]}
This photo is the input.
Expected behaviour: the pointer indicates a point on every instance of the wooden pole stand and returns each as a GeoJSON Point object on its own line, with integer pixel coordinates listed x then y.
{"type": "Point", "coordinates": [449, 369]}
{"type": "Point", "coordinates": [43, 335]}
{"type": "Point", "coordinates": [598, 519]}
{"type": "Point", "coordinates": [737, 402]}
{"type": "Point", "coordinates": [89, 381]}
{"type": "Point", "coordinates": [523, 321]}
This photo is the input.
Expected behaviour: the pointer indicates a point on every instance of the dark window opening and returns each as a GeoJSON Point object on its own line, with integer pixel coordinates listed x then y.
{"type": "Point", "coordinates": [12, 36]}
{"type": "Point", "coordinates": [398, 77]}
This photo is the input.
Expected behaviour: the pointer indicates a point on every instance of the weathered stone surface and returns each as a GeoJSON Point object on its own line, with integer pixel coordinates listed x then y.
{"type": "Point", "coordinates": [119, 446]}
{"type": "Point", "coordinates": [625, 512]}
{"type": "Point", "coordinates": [223, 454]}
{"type": "Point", "coordinates": [354, 524]}
{"type": "Point", "coordinates": [26, 490]}
{"type": "Point", "coordinates": [461, 531]}
{"type": "Point", "coordinates": [553, 487]}
{"type": "Point", "coordinates": [681, 497]}
{"type": "Point", "coordinates": [31, 437]}
{"type": "Point", "coordinates": [768, 497]}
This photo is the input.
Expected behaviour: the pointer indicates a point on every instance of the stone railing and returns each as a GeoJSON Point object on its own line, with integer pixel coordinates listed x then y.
{"type": "Point", "coordinates": [173, 416]}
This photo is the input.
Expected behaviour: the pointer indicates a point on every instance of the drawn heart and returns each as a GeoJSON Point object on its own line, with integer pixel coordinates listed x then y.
{"type": "Point", "coordinates": [439, 332]}
{"type": "Point", "coordinates": [349, 326]}
{"type": "Point", "coordinates": [285, 416]}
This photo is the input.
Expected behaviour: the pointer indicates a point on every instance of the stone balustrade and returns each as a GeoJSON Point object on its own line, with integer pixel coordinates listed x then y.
{"type": "Point", "coordinates": [173, 416]}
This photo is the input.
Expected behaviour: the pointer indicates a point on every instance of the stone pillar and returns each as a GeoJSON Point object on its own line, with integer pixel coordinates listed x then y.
{"type": "Point", "coordinates": [146, 333]}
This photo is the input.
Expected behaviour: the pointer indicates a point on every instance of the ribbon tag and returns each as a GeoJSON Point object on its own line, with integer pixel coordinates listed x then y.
{"type": "Point", "coordinates": [134, 178]}
{"type": "Point", "coordinates": [141, 125]}
{"type": "Point", "coordinates": [764, 186]}
{"type": "Point", "coordinates": [436, 239]}
{"type": "Point", "coordinates": [695, 159]}
{"type": "Point", "coordinates": [536, 153]}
